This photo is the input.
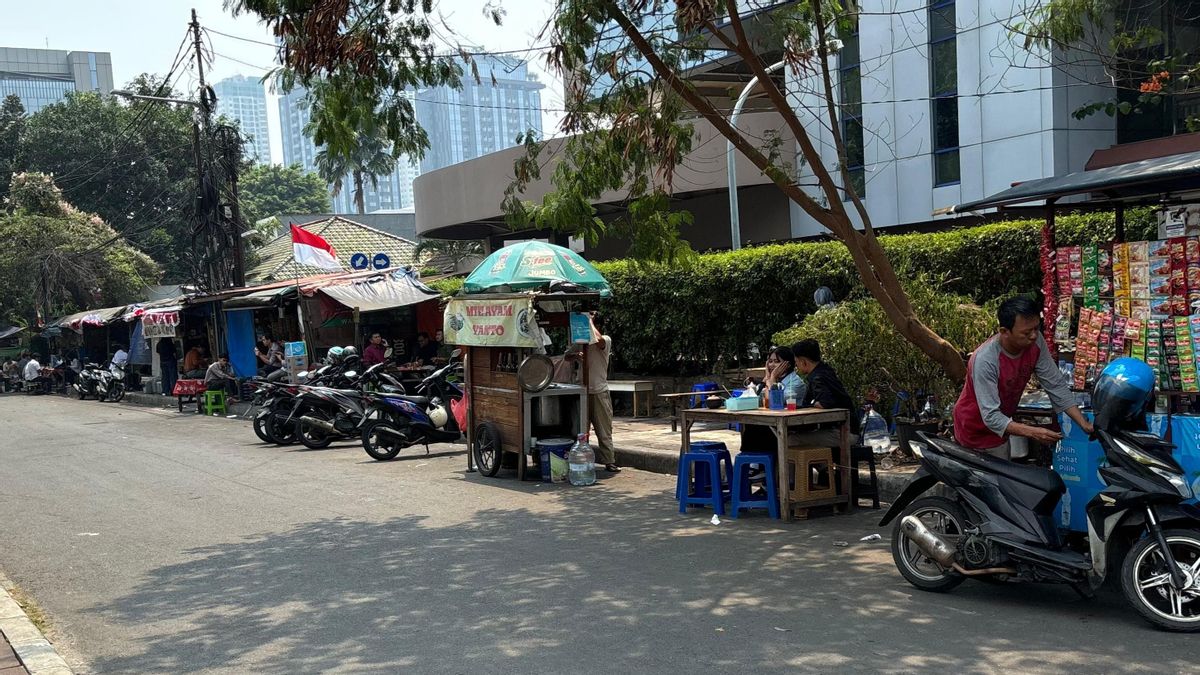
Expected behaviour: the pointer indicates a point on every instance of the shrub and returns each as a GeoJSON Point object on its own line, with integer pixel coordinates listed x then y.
{"type": "Point", "coordinates": [858, 340]}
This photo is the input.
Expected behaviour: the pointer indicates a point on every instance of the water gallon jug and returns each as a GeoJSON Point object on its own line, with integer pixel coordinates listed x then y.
{"type": "Point", "coordinates": [875, 432]}
{"type": "Point", "coordinates": [581, 462]}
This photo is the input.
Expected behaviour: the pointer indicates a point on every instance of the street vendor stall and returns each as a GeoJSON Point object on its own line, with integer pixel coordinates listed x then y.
{"type": "Point", "coordinates": [511, 303]}
{"type": "Point", "coordinates": [1121, 298]}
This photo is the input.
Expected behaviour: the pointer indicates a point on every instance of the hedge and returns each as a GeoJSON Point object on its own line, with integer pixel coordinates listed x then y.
{"type": "Point", "coordinates": [700, 317]}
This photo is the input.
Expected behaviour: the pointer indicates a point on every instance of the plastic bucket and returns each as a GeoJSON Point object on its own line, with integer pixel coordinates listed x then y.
{"type": "Point", "coordinates": [552, 458]}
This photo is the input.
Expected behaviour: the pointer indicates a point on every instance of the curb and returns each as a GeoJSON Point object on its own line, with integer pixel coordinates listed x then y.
{"type": "Point", "coordinates": [33, 650]}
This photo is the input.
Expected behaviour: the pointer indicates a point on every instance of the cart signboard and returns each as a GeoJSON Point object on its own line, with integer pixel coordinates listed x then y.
{"type": "Point", "coordinates": [491, 322]}
{"type": "Point", "coordinates": [159, 324]}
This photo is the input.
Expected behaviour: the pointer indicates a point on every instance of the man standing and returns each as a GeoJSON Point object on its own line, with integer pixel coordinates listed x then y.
{"type": "Point", "coordinates": [825, 390]}
{"type": "Point", "coordinates": [376, 351]}
{"type": "Point", "coordinates": [600, 411]}
{"type": "Point", "coordinates": [997, 375]}
{"type": "Point", "coordinates": [168, 359]}
{"type": "Point", "coordinates": [220, 376]}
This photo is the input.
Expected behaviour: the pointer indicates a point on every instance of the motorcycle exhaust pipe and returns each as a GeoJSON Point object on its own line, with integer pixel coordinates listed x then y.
{"type": "Point", "coordinates": [319, 423]}
{"type": "Point", "coordinates": [934, 547]}
{"type": "Point", "coordinates": [388, 431]}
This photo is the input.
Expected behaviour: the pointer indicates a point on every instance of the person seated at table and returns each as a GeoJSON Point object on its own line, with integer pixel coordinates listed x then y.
{"type": "Point", "coordinates": [426, 350]}
{"type": "Point", "coordinates": [195, 363]}
{"type": "Point", "coordinates": [376, 351]}
{"type": "Point", "coordinates": [12, 375]}
{"type": "Point", "coordinates": [825, 390]}
{"type": "Point", "coordinates": [443, 349]}
{"type": "Point", "coordinates": [780, 369]}
{"type": "Point", "coordinates": [220, 377]}
{"type": "Point", "coordinates": [270, 355]}
{"type": "Point", "coordinates": [35, 382]}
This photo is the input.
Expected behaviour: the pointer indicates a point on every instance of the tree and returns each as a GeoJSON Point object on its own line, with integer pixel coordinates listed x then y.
{"type": "Point", "coordinates": [58, 259]}
{"type": "Point", "coordinates": [268, 190]}
{"type": "Point", "coordinates": [630, 109]}
{"type": "Point", "coordinates": [132, 165]}
{"type": "Point", "coordinates": [347, 152]}
{"type": "Point", "coordinates": [1146, 49]}
{"type": "Point", "coordinates": [447, 251]}
{"type": "Point", "coordinates": [12, 123]}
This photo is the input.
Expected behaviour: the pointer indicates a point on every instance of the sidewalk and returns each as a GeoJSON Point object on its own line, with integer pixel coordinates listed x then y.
{"type": "Point", "coordinates": [9, 663]}
{"type": "Point", "coordinates": [23, 648]}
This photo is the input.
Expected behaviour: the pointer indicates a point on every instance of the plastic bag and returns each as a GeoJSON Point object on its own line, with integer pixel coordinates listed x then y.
{"type": "Point", "coordinates": [459, 409]}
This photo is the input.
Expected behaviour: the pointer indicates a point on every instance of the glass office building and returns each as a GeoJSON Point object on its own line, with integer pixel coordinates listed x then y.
{"type": "Point", "coordinates": [41, 77]}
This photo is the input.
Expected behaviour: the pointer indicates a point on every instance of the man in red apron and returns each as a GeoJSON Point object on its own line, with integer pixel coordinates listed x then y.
{"type": "Point", "coordinates": [997, 375]}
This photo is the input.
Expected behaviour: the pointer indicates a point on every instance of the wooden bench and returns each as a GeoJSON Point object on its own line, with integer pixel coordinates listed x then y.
{"type": "Point", "coordinates": [192, 390]}
{"type": "Point", "coordinates": [676, 400]}
{"type": "Point", "coordinates": [634, 387]}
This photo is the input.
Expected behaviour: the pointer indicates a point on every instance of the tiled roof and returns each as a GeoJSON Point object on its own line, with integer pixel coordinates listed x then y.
{"type": "Point", "coordinates": [347, 238]}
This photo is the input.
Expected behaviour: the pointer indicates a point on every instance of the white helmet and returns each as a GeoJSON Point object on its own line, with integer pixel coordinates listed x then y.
{"type": "Point", "coordinates": [438, 415]}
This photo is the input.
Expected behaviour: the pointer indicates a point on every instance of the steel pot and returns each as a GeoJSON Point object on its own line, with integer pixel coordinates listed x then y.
{"type": "Point", "coordinates": [547, 411]}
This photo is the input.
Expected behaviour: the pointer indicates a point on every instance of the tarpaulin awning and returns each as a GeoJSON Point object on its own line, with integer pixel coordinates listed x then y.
{"type": "Point", "coordinates": [91, 317]}
{"type": "Point", "coordinates": [134, 312]}
{"type": "Point", "coordinates": [271, 297]}
{"type": "Point", "coordinates": [384, 292]}
{"type": "Point", "coordinates": [1135, 180]}
{"type": "Point", "coordinates": [10, 331]}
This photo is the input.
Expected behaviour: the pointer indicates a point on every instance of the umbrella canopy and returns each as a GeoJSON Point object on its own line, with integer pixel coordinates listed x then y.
{"type": "Point", "coordinates": [530, 265]}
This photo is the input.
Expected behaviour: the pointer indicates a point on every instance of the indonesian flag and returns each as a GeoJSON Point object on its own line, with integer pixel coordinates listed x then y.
{"type": "Point", "coordinates": [310, 249]}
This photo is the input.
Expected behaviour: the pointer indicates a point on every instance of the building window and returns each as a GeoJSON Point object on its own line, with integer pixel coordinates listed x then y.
{"type": "Point", "coordinates": [92, 69]}
{"type": "Point", "coordinates": [943, 88]}
{"type": "Point", "coordinates": [850, 98]}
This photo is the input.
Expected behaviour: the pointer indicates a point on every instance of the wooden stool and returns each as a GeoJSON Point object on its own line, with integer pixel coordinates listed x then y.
{"type": "Point", "coordinates": [811, 477]}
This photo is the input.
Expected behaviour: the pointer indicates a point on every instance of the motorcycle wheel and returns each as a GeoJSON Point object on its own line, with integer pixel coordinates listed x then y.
{"type": "Point", "coordinates": [1147, 585]}
{"type": "Point", "coordinates": [260, 428]}
{"type": "Point", "coordinates": [116, 393]}
{"type": "Point", "coordinates": [311, 437]}
{"type": "Point", "coordinates": [381, 447]}
{"type": "Point", "coordinates": [487, 449]}
{"type": "Point", "coordinates": [82, 393]}
{"type": "Point", "coordinates": [941, 516]}
{"type": "Point", "coordinates": [281, 431]}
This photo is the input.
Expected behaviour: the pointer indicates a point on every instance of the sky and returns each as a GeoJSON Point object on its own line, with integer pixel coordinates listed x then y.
{"type": "Point", "coordinates": [145, 35]}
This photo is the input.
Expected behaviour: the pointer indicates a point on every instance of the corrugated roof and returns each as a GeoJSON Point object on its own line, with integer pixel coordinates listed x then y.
{"type": "Point", "coordinates": [347, 238]}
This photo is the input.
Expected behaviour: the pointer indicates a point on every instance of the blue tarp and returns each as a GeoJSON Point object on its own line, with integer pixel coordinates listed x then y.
{"type": "Point", "coordinates": [239, 342]}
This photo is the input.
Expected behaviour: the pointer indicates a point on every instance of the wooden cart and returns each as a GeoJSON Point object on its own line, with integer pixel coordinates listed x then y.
{"type": "Point", "coordinates": [503, 420]}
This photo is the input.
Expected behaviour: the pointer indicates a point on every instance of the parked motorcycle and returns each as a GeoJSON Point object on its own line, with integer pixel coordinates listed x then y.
{"type": "Point", "coordinates": [404, 421]}
{"type": "Point", "coordinates": [270, 395]}
{"type": "Point", "coordinates": [89, 377]}
{"type": "Point", "coordinates": [325, 414]}
{"type": "Point", "coordinates": [999, 525]}
{"type": "Point", "coordinates": [110, 385]}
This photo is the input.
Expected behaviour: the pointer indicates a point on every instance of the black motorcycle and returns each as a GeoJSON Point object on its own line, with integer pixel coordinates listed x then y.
{"type": "Point", "coordinates": [323, 414]}
{"type": "Point", "coordinates": [271, 394]}
{"type": "Point", "coordinates": [88, 381]}
{"type": "Point", "coordinates": [999, 525]}
{"type": "Point", "coordinates": [402, 421]}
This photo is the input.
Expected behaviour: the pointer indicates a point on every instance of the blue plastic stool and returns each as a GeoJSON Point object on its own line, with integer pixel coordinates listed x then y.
{"type": "Point", "coordinates": [740, 494]}
{"type": "Point", "coordinates": [725, 460]}
{"type": "Point", "coordinates": [702, 390]}
{"type": "Point", "coordinates": [707, 464]}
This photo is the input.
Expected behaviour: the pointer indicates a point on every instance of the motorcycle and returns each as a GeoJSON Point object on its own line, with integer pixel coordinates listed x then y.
{"type": "Point", "coordinates": [999, 526]}
{"type": "Point", "coordinates": [270, 395]}
{"type": "Point", "coordinates": [324, 414]}
{"type": "Point", "coordinates": [89, 377]}
{"type": "Point", "coordinates": [404, 421]}
{"type": "Point", "coordinates": [110, 385]}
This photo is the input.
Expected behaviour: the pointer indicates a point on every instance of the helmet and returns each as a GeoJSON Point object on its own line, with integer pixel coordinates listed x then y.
{"type": "Point", "coordinates": [335, 355]}
{"type": "Point", "coordinates": [438, 415]}
{"type": "Point", "coordinates": [1121, 391]}
{"type": "Point", "coordinates": [348, 352]}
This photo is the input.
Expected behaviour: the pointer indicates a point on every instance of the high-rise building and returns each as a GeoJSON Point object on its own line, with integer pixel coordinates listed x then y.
{"type": "Point", "coordinates": [484, 116]}
{"type": "Point", "coordinates": [41, 77]}
{"type": "Point", "coordinates": [244, 99]}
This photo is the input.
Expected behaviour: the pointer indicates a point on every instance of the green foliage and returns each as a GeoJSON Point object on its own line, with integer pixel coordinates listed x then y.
{"type": "Point", "coordinates": [58, 259]}
{"type": "Point", "coordinates": [699, 317]}
{"type": "Point", "coordinates": [132, 165]}
{"type": "Point", "coordinates": [861, 344]}
{"type": "Point", "coordinates": [269, 190]}
{"type": "Point", "coordinates": [448, 286]}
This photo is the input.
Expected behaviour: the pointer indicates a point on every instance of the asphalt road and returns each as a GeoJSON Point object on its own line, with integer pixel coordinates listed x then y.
{"type": "Point", "coordinates": [160, 542]}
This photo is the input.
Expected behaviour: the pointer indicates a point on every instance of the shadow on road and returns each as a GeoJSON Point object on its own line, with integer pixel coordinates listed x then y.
{"type": "Point", "coordinates": [613, 582]}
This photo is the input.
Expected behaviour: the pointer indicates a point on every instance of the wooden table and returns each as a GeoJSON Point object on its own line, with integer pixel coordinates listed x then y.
{"type": "Point", "coordinates": [633, 387]}
{"type": "Point", "coordinates": [779, 421]}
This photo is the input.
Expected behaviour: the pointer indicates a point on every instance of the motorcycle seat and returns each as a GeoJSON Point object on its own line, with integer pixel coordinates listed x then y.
{"type": "Point", "coordinates": [415, 400]}
{"type": "Point", "coordinates": [1036, 477]}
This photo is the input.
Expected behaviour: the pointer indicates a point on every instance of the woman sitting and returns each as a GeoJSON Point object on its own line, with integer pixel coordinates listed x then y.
{"type": "Point", "coordinates": [781, 370]}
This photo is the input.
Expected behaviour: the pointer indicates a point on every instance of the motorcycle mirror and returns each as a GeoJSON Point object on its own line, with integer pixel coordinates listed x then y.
{"type": "Point", "coordinates": [456, 353]}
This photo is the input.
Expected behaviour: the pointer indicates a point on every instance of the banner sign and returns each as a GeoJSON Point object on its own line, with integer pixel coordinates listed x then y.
{"type": "Point", "coordinates": [160, 324]}
{"type": "Point", "coordinates": [491, 323]}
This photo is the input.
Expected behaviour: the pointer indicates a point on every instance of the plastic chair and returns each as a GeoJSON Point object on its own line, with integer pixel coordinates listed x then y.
{"type": "Point", "coordinates": [702, 390]}
{"type": "Point", "coordinates": [740, 495]}
{"type": "Point", "coordinates": [213, 402]}
{"type": "Point", "coordinates": [858, 455]}
{"type": "Point", "coordinates": [691, 492]}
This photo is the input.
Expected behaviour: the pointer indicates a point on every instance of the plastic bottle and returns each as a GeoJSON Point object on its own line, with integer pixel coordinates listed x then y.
{"type": "Point", "coordinates": [1066, 509]}
{"type": "Point", "coordinates": [581, 462]}
{"type": "Point", "coordinates": [875, 432]}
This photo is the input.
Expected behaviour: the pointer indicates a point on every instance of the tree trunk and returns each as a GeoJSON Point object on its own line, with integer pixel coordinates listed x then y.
{"type": "Point", "coordinates": [358, 192]}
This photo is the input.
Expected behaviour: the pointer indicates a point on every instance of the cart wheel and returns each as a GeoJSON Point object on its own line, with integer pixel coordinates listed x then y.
{"type": "Point", "coordinates": [487, 449]}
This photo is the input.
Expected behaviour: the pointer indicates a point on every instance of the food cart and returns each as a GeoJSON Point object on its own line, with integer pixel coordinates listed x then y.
{"type": "Point", "coordinates": [517, 394]}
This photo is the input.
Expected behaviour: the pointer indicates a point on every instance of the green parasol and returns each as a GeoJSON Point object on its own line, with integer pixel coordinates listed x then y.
{"type": "Point", "coordinates": [531, 265]}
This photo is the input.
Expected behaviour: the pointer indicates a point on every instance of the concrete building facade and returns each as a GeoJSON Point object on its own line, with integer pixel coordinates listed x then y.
{"type": "Point", "coordinates": [244, 99]}
{"type": "Point", "coordinates": [41, 77]}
